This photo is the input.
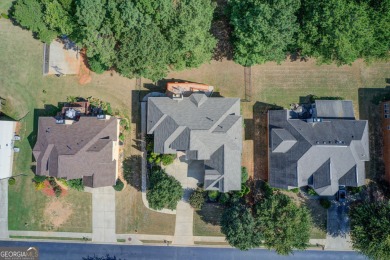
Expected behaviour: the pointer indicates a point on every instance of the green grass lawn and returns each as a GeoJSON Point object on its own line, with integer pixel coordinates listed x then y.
{"type": "Point", "coordinates": [207, 220]}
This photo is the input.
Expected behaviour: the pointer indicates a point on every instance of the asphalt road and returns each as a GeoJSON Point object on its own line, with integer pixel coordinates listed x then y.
{"type": "Point", "coordinates": [88, 251]}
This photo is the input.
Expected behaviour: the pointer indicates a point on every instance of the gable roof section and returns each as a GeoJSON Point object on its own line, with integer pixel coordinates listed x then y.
{"type": "Point", "coordinates": [282, 140]}
{"type": "Point", "coordinates": [321, 177]}
{"type": "Point", "coordinates": [350, 178]}
{"type": "Point", "coordinates": [207, 129]}
{"type": "Point", "coordinates": [84, 148]}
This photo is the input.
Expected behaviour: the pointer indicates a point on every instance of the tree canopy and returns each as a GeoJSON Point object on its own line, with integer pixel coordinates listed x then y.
{"type": "Point", "coordinates": [138, 38]}
{"type": "Point", "coordinates": [239, 227]}
{"type": "Point", "coordinates": [164, 191]}
{"type": "Point", "coordinates": [263, 29]}
{"type": "Point", "coordinates": [335, 30]}
{"type": "Point", "coordinates": [370, 229]}
{"type": "Point", "coordinates": [284, 225]}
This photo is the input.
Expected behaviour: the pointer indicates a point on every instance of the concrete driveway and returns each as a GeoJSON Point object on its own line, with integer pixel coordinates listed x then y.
{"type": "Point", "coordinates": [103, 214]}
{"type": "Point", "coordinates": [188, 173]}
{"type": "Point", "coordinates": [337, 237]}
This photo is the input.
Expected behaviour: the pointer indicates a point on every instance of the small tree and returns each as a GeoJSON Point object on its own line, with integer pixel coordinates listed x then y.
{"type": "Point", "coordinates": [240, 227]}
{"type": "Point", "coordinates": [197, 198]}
{"type": "Point", "coordinates": [76, 184]}
{"type": "Point", "coordinates": [284, 225]}
{"type": "Point", "coordinates": [370, 229]}
{"type": "Point", "coordinates": [11, 181]}
{"type": "Point", "coordinates": [164, 191]}
{"type": "Point", "coordinates": [119, 185]}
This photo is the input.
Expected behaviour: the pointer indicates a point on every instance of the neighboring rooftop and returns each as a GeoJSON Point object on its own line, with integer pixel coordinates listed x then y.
{"type": "Point", "coordinates": [324, 154]}
{"type": "Point", "coordinates": [7, 132]}
{"type": "Point", "coordinates": [87, 148]}
{"type": "Point", "coordinates": [208, 129]}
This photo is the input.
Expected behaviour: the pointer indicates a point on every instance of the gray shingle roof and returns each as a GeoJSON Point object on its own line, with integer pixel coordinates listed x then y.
{"type": "Point", "coordinates": [325, 151]}
{"type": "Point", "coordinates": [82, 149]}
{"type": "Point", "coordinates": [208, 129]}
{"type": "Point", "coordinates": [334, 109]}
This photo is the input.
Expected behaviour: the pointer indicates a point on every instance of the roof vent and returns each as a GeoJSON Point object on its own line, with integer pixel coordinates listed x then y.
{"type": "Point", "coordinates": [209, 119]}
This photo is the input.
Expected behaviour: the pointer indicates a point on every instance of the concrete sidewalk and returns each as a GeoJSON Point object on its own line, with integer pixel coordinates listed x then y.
{"type": "Point", "coordinates": [4, 208]}
{"type": "Point", "coordinates": [49, 234]}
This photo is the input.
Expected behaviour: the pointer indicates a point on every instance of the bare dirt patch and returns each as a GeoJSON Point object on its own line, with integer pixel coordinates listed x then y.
{"type": "Point", "coordinates": [57, 212]}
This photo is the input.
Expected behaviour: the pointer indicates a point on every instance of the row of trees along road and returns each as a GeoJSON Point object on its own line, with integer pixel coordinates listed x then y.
{"type": "Point", "coordinates": [148, 38]}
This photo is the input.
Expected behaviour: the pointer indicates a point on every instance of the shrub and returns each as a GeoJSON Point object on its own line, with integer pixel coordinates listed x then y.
{"type": "Point", "coordinates": [325, 203]}
{"type": "Point", "coordinates": [197, 198]}
{"type": "Point", "coordinates": [213, 195]}
{"type": "Point", "coordinates": [244, 175]}
{"type": "Point", "coordinates": [311, 191]}
{"type": "Point", "coordinates": [57, 190]}
{"type": "Point", "coordinates": [167, 159]}
{"type": "Point", "coordinates": [119, 185]}
{"type": "Point", "coordinates": [52, 182]}
{"type": "Point", "coordinates": [295, 190]}
{"type": "Point", "coordinates": [124, 123]}
{"type": "Point", "coordinates": [63, 182]}
{"type": "Point", "coordinates": [244, 190]}
{"type": "Point", "coordinates": [76, 184]}
{"type": "Point", "coordinates": [164, 191]}
{"type": "Point", "coordinates": [39, 178]}
{"type": "Point", "coordinates": [39, 185]}
{"type": "Point", "coordinates": [11, 181]}
{"type": "Point", "coordinates": [354, 190]}
{"type": "Point", "coordinates": [5, 16]}
{"type": "Point", "coordinates": [122, 137]}
{"type": "Point", "coordinates": [224, 198]}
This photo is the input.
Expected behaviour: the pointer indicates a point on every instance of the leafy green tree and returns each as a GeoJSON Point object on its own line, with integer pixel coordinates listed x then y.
{"type": "Point", "coordinates": [370, 229]}
{"type": "Point", "coordinates": [263, 30]}
{"type": "Point", "coordinates": [380, 21]}
{"type": "Point", "coordinates": [284, 225]}
{"type": "Point", "coordinates": [57, 18]}
{"type": "Point", "coordinates": [190, 41]}
{"type": "Point", "coordinates": [164, 191]}
{"type": "Point", "coordinates": [144, 53]}
{"type": "Point", "coordinates": [335, 30]}
{"type": "Point", "coordinates": [240, 228]}
{"type": "Point", "coordinates": [29, 14]}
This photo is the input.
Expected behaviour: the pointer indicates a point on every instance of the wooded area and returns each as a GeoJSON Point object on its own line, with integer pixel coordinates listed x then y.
{"type": "Point", "coordinates": [148, 38]}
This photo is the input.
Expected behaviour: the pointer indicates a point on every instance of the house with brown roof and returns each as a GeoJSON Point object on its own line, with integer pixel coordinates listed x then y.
{"type": "Point", "coordinates": [85, 148]}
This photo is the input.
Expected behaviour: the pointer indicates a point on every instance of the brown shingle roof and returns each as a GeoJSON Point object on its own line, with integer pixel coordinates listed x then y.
{"type": "Point", "coordinates": [84, 148]}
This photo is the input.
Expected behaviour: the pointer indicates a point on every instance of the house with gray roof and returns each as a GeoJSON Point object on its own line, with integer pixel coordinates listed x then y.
{"type": "Point", "coordinates": [205, 128]}
{"type": "Point", "coordinates": [325, 150]}
{"type": "Point", "coordinates": [86, 148]}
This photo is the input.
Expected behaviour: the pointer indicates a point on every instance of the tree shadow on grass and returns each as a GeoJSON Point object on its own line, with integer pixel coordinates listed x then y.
{"type": "Point", "coordinates": [211, 213]}
{"type": "Point", "coordinates": [132, 171]}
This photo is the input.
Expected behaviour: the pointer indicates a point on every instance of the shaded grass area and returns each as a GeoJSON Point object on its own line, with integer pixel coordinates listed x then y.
{"type": "Point", "coordinates": [52, 238]}
{"type": "Point", "coordinates": [133, 217]}
{"type": "Point", "coordinates": [207, 220]}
